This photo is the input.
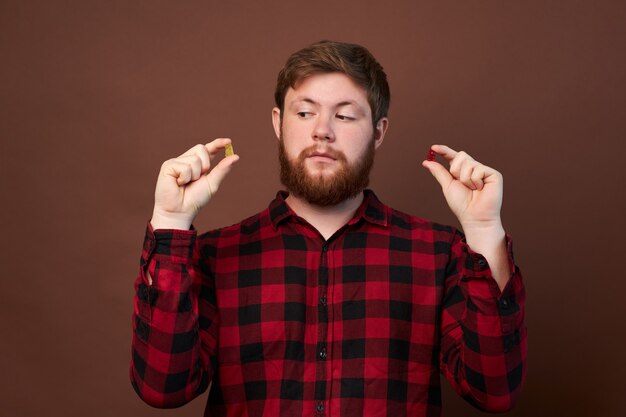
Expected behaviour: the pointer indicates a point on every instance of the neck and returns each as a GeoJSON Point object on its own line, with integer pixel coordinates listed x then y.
{"type": "Point", "coordinates": [327, 220]}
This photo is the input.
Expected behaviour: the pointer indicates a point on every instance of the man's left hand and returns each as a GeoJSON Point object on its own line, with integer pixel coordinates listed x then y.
{"type": "Point", "coordinates": [473, 190]}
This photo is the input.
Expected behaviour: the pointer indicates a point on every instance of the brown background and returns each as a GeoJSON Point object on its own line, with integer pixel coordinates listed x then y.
{"type": "Point", "coordinates": [95, 95]}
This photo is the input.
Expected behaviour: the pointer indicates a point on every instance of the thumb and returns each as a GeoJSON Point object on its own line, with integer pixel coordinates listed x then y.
{"type": "Point", "coordinates": [219, 172]}
{"type": "Point", "coordinates": [441, 174]}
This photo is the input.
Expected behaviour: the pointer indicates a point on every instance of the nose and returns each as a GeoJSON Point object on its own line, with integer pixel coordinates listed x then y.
{"type": "Point", "coordinates": [323, 129]}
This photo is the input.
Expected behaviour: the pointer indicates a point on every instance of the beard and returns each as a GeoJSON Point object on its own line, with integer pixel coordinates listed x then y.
{"type": "Point", "coordinates": [321, 189]}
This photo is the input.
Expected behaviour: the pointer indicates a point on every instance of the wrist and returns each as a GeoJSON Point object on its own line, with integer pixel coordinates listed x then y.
{"type": "Point", "coordinates": [484, 235]}
{"type": "Point", "coordinates": [160, 221]}
{"type": "Point", "coordinates": [482, 226]}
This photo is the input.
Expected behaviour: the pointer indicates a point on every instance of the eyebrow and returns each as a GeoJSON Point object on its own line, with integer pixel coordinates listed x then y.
{"type": "Point", "coordinates": [340, 104]}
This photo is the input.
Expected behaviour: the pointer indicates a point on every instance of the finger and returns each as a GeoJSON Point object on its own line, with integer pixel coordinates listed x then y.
{"type": "Point", "coordinates": [457, 163]}
{"type": "Point", "coordinates": [217, 145]}
{"type": "Point", "coordinates": [465, 176]}
{"type": "Point", "coordinates": [491, 175]}
{"type": "Point", "coordinates": [178, 170]}
{"type": "Point", "coordinates": [441, 174]}
{"type": "Point", "coordinates": [201, 152]}
{"type": "Point", "coordinates": [445, 151]}
{"type": "Point", "coordinates": [477, 176]}
{"type": "Point", "coordinates": [195, 164]}
{"type": "Point", "coordinates": [216, 148]}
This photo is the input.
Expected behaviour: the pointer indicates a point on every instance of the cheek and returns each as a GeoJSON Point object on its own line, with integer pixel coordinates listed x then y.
{"type": "Point", "coordinates": [292, 147]}
{"type": "Point", "coordinates": [290, 132]}
{"type": "Point", "coordinates": [359, 140]}
{"type": "Point", "coordinates": [295, 138]}
{"type": "Point", "coordinates": [360, 133]}
{"type": "Point", "coordinates": [293, 132]}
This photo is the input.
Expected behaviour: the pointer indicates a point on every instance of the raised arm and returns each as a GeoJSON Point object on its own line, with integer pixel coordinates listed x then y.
{"type": "Point", "coordinates": [474, 193]}
{"type": "Point", "coordinates": [483, 337]}
{"type": "Point", "coordinates": [175, 320]}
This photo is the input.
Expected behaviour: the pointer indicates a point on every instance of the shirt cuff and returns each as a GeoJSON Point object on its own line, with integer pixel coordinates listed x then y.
{"type": "Point", "coordinates": [485, 294]}
{"type": "Point", "coordinates": [477, 267]}
{"type": "Point", "coordinates": [176, 245]}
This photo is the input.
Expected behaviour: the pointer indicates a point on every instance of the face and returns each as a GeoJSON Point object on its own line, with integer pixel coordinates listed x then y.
{"type": "Point", "coordinates": [326, 139]}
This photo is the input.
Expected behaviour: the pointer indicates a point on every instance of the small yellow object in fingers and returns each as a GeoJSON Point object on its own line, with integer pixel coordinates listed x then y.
{"type": "Point", "coordinates": [228, 150]}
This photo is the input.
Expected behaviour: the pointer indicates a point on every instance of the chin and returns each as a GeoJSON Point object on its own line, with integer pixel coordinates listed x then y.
{"type": "Point", "coordinates": [330, 165]}
{"type": "Point", "coordinates": [324, 175]}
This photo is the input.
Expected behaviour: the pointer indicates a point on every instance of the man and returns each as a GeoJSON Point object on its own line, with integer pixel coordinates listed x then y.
{"type": "Point", "coordinates": [328, 302]}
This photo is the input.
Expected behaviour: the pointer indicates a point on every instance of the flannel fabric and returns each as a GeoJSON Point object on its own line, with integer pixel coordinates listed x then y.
{"type": "Point", "coordinates": [284, 323]}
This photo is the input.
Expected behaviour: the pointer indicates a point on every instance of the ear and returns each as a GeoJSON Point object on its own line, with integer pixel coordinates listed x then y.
{"type": "Point", "coordinates": [276, 121]}
{"type": "Point", "coordinates": [379, 131]}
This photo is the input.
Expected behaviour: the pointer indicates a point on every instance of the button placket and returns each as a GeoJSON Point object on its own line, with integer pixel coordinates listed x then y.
{"type": "Point", "coordinates": [322, 386]}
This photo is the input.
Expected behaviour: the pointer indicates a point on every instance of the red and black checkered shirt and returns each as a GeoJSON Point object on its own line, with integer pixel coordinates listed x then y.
{"type": "Point", "coordinates": [282, 322]}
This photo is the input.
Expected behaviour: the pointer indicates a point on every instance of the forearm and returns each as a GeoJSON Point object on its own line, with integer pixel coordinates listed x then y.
{"type": "Point", "coordinates": [483, 346]}
{"type": "Point", "coordinates": [490, 241]}
{"type": "Point", "coordinates": [484, 352]}
{"type": "Point", "coordinates": [169, 366]}
{"type": "Point", "coordinates": [490, 382]}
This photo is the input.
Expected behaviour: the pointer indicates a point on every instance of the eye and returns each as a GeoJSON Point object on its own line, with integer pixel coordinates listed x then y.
{"type": "Point", "coordinates": [303, 114]}
{"type": "Point", "coordinates": [344, 117]}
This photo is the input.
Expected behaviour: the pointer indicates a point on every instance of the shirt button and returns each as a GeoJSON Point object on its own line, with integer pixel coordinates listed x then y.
{"type": "Point", "coordinates": [482, 262]}
{"type": "Point", "coordinates": [320, 407]}
{"type": "Point", "coordinates": [323, 353]}
{"type": "Point", "coordinates": [323, 300]}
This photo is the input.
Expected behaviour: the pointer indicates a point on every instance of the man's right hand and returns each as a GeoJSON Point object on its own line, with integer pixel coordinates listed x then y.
{"type": "Point", "coordinates": [187, 183]}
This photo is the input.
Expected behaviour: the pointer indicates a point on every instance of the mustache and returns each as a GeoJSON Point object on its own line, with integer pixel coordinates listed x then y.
{"type": "Point", "coordinates": [315, 149]}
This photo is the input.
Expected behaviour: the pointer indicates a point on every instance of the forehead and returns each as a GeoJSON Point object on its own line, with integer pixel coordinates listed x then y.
{"type": "Point", "coordinates": [328, 89]}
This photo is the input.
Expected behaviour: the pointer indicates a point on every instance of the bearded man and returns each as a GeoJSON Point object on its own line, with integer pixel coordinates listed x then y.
{"type": "Point", "coordinates": [328, 302]}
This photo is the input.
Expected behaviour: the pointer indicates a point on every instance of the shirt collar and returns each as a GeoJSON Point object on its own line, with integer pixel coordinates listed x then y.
{"type": "Point", "coordinates": [371, 210]}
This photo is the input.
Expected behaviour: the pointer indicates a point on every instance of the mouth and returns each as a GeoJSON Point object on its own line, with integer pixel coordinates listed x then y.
{"type": "Point", "coordinates": [321, 156]}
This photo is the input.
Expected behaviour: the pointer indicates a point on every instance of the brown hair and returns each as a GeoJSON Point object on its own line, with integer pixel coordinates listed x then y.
{"type": "Point", "coordinates": [326, 56]}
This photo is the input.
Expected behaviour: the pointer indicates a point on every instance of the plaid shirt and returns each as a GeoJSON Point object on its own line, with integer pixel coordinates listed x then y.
{"type": "Point", "coordinates": [285, 323]}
